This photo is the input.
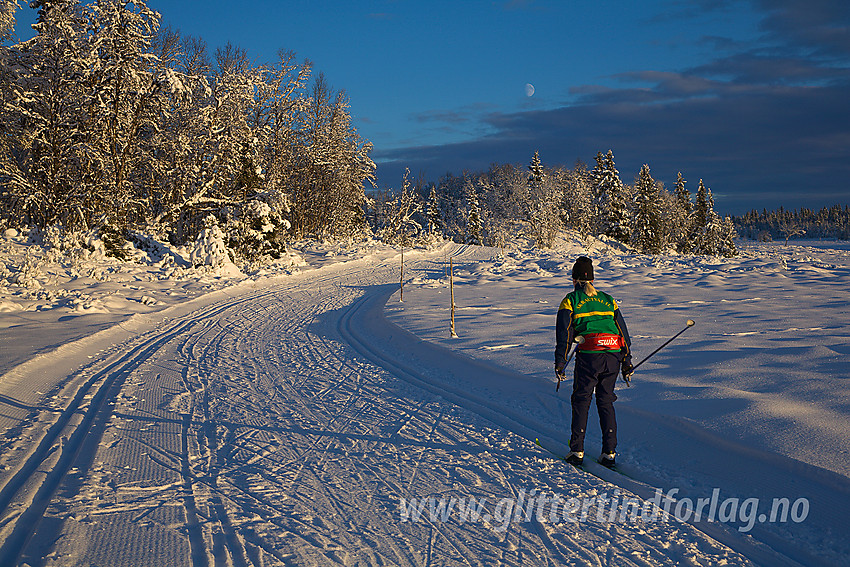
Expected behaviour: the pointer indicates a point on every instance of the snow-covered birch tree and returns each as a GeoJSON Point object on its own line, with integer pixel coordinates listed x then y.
{"type": "Point", "coordinates": [398, 215]}
{"type": "Point", "coordinates": [122, 107]}
{"type": "Point", "coordinates": [7, 18]}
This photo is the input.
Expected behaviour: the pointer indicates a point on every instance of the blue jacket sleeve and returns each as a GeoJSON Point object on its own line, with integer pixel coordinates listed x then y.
{"type": "Point", "coordinates": [564, 332]}
{"type": "Point", "coordinates": [621, 324]}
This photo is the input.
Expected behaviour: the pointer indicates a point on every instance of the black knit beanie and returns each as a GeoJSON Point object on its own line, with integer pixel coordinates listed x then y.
{"type": "Point", "coordinates": [583, 269]}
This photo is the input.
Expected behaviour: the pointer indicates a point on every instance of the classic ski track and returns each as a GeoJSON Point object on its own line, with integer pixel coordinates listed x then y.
{"type": "Point", "coordinates": [319, 345]}
{"type": "Point", "coordinates": [331, 424]}
{"type": "Point", "coordinates": [236, 546]}
{"type": "Point", "coordinates": [95, 389]}
{"type": "Point", "coordinates": [197, 545]}
{"type": "Point", "coordinates": [106, 375]}
{"type": "Point", "coordinates": [208, 437]}
{"type": "Point", "coordinates": [207, 441]}
{"type": "Point", "coordinates": [461, 550]}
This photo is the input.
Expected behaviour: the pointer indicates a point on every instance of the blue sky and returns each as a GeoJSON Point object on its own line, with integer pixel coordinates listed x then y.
{"type": "Point", "coordinates": [749, 95]}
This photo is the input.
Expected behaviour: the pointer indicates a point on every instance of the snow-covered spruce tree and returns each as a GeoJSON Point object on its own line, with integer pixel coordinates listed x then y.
{"type": "Point", "coordinates": [494, 226]}
{"type": "Point", "coordinates": [713, 235]}
{"type": "Point", "coordinates": [646, 226]}
{"type": "Point", "coordinates": [669, 218]}
{"type": "Point", "coordinates": [681, 217]}
{"type": "Point", "coordinates": [535, 176]}
{"type": "Point", "coordinates": [352, 169]}
{"type": "Point", "coordinates": [700, 237]}
{"type": "Point", "coordinates": [577, 203]}
{"type": "Point", "coordinates": [255, 230]}
{"type": "Point", "coordinates": [611, 211]}
{"type": "Point", "coordinates": [433, 213]}
{"type": "Point", "coordinates": [538, 197]}
{"type": "Point", "coordinates": [473, 215]}
{"type": "Point", "coordinates": [702, 207]}
{"type": "Point", "coordinates": [728, 235]}
{"type": "Point", "coordinates": [599, 184]}
{"type": "Point", "coordinates": [210, 249]}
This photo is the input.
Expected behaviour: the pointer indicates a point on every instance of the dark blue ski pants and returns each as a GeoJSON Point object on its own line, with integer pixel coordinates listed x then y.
{"type": "Point", "coordinates": [595, 372]}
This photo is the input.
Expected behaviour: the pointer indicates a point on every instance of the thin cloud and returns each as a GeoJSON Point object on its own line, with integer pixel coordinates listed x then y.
{"type": "Point", "coordinates": [465, 113]}
{"type": "Point", "coordinates": [820, 25]}
{"type": "Point", "coordinates": [751, 68]}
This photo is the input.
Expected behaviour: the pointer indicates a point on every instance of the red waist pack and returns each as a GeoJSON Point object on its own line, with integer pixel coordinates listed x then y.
{"type": "Point", "coordinates": [602, 341]}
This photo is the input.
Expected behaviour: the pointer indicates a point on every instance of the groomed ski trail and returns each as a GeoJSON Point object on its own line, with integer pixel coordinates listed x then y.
{"type": "Point", "coordinates": [284, 426]}
{"type": "Point", "coordinates": [511, 401]}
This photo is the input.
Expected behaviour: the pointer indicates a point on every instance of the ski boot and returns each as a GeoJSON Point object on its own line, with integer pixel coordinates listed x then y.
{"type": "Point", "coordinates": [608, 460]}
{"type": "Point", "coordinates": [575, 458]}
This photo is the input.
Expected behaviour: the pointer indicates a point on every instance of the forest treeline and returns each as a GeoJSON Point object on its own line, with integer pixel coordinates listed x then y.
{"type": "Point", "coordinates": [115, 125]}
{"type": "Point", "coordinates": [485, 208]}
{"type": "Point", "coordinates": [828, 222]}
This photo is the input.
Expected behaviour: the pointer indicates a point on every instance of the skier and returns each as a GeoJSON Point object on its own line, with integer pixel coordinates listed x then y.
{"type": "Point", "coordinates": [605, 352]}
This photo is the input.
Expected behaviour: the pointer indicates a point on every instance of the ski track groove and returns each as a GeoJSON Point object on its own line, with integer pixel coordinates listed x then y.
{"type": "Point", "coordinates": [418, 462]}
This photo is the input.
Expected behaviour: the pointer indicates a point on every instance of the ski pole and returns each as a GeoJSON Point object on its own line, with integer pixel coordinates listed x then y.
{"type": "Point", "coordinates": [578, 340]}
{"type": "Point", "coordinates": [690, 324]}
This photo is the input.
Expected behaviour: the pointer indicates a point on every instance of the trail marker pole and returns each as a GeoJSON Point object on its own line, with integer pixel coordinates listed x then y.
{"type": "Point", "coordinates": [452, 294]}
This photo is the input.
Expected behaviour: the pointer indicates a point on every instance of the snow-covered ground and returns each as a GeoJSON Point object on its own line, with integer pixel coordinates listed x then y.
{"type": "Point", "coordinates": [306, 416]}
{"type": "Point", "coordinates": [50, 296]}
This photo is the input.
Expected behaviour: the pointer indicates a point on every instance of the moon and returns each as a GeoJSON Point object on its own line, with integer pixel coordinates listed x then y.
{"type": "Point", "coordinates": [529, 89]}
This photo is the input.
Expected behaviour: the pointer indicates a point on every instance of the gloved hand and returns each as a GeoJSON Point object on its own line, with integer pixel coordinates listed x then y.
{"type": "Point", "coordinates": [559, 372]}
{"type": "Point", "coordinates": [626, 367]}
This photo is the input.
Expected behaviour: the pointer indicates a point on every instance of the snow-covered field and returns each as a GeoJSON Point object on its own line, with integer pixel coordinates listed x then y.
{"type": "Point", "coordinates": [306, 416]}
